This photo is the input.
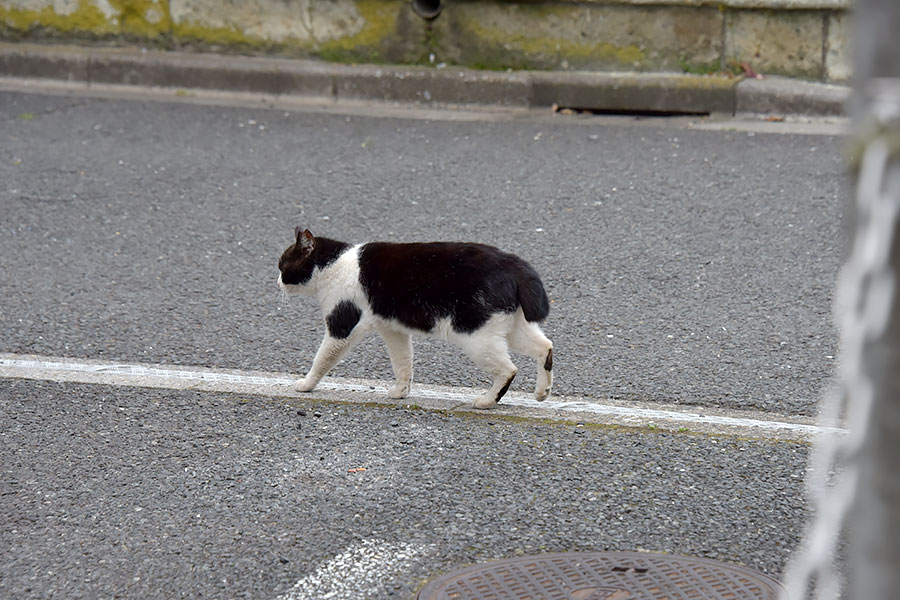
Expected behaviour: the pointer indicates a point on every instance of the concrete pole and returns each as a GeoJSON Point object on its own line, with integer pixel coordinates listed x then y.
{"type": "Point", "coordinates": [874, 517]}
{"type": "Point", "coordinates": [855, 481]}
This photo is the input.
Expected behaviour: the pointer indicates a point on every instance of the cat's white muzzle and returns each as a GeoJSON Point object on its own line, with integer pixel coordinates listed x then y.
{"type": "Point", "coordinates": [288, 290]}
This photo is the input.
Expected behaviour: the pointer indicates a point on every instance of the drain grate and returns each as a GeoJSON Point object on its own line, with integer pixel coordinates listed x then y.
{"type": "Point", "coordinates": [602, 576]}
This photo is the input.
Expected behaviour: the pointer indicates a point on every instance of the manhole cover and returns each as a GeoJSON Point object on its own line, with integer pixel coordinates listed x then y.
{"type": "Point", "coordinates": [602, 576]}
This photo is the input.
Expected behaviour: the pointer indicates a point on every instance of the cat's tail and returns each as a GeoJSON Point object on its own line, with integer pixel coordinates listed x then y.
{"type": "Point", "coordinates": [532, 296]}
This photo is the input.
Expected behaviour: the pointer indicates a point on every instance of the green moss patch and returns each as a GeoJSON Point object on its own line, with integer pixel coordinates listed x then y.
{"type": "Point", "coordinates": [141, 18]}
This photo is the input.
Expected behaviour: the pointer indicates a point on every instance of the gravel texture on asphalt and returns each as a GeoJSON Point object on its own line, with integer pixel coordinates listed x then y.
{"type": "Point", "coordinates": [145, 493]}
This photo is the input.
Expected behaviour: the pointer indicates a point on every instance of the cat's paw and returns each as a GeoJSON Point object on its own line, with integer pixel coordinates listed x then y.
{"type": "Point", "coordinates": [305, 385]}
{"type": "Point", "coordinates": [400, 390]}
{"type": "Point", "coordinates": [485, 401]}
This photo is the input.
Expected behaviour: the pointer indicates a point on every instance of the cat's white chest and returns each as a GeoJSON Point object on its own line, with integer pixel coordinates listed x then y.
{"type": "Point", "coordinates": [340, 281]}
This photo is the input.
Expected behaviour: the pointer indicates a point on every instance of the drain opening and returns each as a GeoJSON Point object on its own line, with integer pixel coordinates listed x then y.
{"type": "Point", "coordinates": [427, 9]}
{"type": "Point", "coordinates": [629, 570]}
{"type": "Point", "coordinates": [624, 112]}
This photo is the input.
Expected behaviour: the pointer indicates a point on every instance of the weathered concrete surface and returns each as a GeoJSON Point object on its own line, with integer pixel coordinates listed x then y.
{"type": "Point", "coordinates": [796, 38]}
{"type": "Point", "coordinates": [101, 19]}
{"type": "Point", "coordinates": [778, 95]}
{"type": "Point", "coordinates": [581, 36]}
{"type": "Point", "coordinates": [838, 63]}
{"type": "Point", "coordinates": [777, 42]}
{"type": "Point", "coordinates": [629, 92]}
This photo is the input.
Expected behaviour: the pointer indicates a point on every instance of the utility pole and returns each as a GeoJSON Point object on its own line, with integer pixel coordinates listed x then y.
{"type": "Point", "coordinates": [855, 485]}
{"type": "Point", "coordinates": [874, 517]}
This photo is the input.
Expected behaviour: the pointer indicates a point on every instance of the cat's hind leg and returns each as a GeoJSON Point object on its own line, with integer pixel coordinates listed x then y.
{"type": "Point", "coordinates": [399, 345]}
{"type": "Point", "coordinates": [489, 350]}
{"type": "Point", "coordinates": [528, 339]}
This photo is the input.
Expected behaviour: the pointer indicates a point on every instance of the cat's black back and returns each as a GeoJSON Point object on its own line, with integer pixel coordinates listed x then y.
{"type": "Point", "coordinates": [418, 284]}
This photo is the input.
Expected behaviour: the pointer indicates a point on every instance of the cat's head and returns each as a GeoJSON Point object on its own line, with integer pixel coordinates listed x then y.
{"type": "Point", "coordinates": [296, 263]}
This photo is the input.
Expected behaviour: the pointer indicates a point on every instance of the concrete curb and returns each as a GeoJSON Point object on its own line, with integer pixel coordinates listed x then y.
{"type": "Point", "coordinates": [789, 96]}
{"type": "Point", "coordinates": [612, 92]}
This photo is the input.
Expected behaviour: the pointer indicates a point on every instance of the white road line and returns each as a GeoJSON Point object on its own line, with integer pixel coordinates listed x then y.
{"type": "Point", "coordinates": [704, 420]}
{"type": "Point", "coordinates": [361, 571]}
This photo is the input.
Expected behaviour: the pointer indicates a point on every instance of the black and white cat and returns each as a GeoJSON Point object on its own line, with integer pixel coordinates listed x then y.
{"type": "Point", "coordinates": [484, 300]}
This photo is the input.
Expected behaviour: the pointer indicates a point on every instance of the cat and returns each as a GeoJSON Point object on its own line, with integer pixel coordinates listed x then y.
{"type": "Point", "coordinates": [484, 300]}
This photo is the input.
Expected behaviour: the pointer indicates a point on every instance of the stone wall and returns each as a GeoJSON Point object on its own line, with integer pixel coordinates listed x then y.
{"type": "Point", "coordinates": [796, 38]}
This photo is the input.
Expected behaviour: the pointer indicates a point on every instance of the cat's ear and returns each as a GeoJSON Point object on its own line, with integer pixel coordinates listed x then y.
{"type": "Point", "coordinates": [305, 239]}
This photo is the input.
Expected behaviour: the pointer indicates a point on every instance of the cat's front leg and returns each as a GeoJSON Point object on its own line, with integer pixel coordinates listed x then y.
{"type": "Point", "coordinates": [306, 384]}
{"type": "Point", "coordinates": [399, 345]}
{"type": "Point", "coordinates": [330, 352]}
{"type": "Point", "coordinates": [344, 330]}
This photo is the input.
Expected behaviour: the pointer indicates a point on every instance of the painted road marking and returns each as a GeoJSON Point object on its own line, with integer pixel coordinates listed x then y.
{"type": "Point", "coordinates": [361, 571]}
{"type": "Point", "coordinates": [694, 419]}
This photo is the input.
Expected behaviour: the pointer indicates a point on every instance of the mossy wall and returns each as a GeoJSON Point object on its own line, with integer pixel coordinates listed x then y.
{"type": "Point", "coordinates": [628, 35]}
{"type": "Point", "coordinates": [96, 19]}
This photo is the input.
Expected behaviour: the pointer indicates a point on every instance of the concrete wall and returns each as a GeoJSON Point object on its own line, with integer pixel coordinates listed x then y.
{"type": "Point", "coordinates": [798, 38]}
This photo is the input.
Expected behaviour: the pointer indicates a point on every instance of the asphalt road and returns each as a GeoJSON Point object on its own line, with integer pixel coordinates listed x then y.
{"type": "Point", "coordinates": [135, 493]}
{"type": "Point", "coordinates": [684, 266]}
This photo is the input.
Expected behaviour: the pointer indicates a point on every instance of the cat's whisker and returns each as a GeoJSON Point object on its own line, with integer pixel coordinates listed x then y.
{"type": "Point", "coordinates": [280, 298]}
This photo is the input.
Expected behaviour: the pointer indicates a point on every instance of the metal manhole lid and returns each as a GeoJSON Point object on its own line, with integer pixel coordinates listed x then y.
{"type": "Point", "coordinates": [602, 576]}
